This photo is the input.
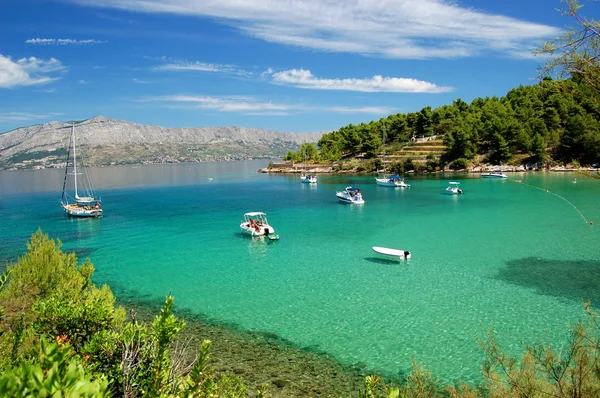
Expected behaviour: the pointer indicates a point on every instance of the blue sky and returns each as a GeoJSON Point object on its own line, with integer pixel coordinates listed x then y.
{"type": "Point", "coordinates": [287, 65]}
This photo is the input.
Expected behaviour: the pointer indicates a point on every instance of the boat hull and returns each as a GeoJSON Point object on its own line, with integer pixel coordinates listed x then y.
{"type": "Point", "coordinates": [264, 230]}
{"type": "Point", "coordinates": [453, 191]}
{"type": "Point", "coordinates": [343, 197]}
{"type": "Point", "coordinates": [385, 251]}
{"type": "Point", "coordinates": [493, 176]}
{"type": "Point", "coordinates": [386, 182]}
{"type": "Point", "coordinates": [77, 211]}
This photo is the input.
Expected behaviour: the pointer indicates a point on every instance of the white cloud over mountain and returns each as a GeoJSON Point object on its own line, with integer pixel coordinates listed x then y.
{"type": "Point", "coordinates": [27, 71]}
{"type": "Point", "coordinates": [253, 106]}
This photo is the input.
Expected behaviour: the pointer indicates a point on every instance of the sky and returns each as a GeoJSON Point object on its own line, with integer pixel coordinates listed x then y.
{"type": "Point", "coordinates": [285, 65]}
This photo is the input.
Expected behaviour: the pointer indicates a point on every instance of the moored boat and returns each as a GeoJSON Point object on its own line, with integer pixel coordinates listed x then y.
{"type": "Point", "coordinates": [391, 181]}
{"type": "Point", "coordinates": [86, 205]}
{"type": "Point", "coordinates": [256, 224]}
{"type": "Point", "coordinates": [494, 174]}
{"type": "Point", "coordinates": [386, 251]}
{"type": "Point", "coordinates": [350, 195]}
{"type": "Point", "coordinates": [453, 188]}
{"type": "Point", "coordinates": [308, 179]}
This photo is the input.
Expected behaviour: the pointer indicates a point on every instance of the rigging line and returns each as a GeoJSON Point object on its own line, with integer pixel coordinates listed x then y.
{"type": "Point", "coordinates": [557, 195]}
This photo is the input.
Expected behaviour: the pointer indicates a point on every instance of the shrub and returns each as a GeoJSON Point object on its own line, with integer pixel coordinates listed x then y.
{"type": "Point", "coordinates": [459, 164]}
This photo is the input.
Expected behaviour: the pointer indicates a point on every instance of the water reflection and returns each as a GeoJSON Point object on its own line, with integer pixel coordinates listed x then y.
{"type": "Point", "coordinates": [27, 181]}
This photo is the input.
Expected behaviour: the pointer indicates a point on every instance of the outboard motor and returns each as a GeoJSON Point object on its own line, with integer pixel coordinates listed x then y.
{"type": "Point", "coordinates": [266, 231]}
{"type": "Point", "coordinates": [406, 254]}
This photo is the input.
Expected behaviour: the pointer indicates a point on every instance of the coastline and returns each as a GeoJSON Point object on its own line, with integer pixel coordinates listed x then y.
{"type": "Point", "coordinates": [289, 371]}
{"type": "Point", "coordinates": [281, 168]}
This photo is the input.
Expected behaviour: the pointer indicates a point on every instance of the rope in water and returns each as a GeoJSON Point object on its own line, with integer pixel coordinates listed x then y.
{"type": "Point", "coordinates": [557, 195]}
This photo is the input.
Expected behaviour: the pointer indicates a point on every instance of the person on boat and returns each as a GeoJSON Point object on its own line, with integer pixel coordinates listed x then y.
{"type": "Point", "coordinates": [97, 205]}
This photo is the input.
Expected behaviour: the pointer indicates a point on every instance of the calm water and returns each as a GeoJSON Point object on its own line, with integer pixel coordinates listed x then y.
{"type": "Point", "coordinates": [505, 255]}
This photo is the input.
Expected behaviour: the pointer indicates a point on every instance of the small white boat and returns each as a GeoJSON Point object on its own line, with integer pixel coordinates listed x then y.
{"type": "Point", "coordinates": [400, 254]}
{"type": "Point", "coordinates": [350, 195]}
{"type": "Point", "coordinates": [494, 174]}
{"type": "Point", "coordinates": [391, 181]}
{"type": "Point", "coordinates": [256, 224]}
{"type": "Point", "coordinates": [453, 188]}
{"type": "Point", "coordinates": [308, 179]}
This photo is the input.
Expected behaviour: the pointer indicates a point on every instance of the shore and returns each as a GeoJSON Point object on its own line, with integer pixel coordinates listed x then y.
{"type": "Point", "coordinates": [261, 358]}
{"type": "Point", "coordinates": [330, 169]}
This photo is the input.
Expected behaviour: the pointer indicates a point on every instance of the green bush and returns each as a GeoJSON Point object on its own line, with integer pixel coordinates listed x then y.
{"type": "Point", "coordinates": [459, 164]}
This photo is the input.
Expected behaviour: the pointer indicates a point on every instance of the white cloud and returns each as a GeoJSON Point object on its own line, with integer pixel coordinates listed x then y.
{"type": "Point", "coordinates": [27, 71]}
{"type": "Point", "coordinates": [139, 81]}
{"type": "Point", "coordinates": [415, 29]}
{"type": "Point", "coordinates": [253, 106]}
{"type": "Point", "coordinates": [305, 79]}
{"type": "Point", "coordinates": [62, 42]}
{"type": "Point", "coordinates": [23, 116]}
{"type": "Point", "coordinates": [199, 67]}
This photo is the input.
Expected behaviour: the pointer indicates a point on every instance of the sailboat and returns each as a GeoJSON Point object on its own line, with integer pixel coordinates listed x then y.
{"type": "Point", "coordinates": [86, 205]}
{"type": "Point", "coordinates": [306, 178]}
{"type": "Point", "coordinates": [386, 180]}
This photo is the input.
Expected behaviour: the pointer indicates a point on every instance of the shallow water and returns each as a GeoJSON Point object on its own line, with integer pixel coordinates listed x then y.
{"type": "Point", "coordinates": [506, 255]}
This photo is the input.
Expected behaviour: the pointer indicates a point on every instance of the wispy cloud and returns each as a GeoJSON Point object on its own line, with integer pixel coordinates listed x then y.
{"type": "Point", "coordinates": [253, 106]}
{"type": "Point", "coordinates": [416, 29]}
{"type": "Point", "coordinates": [114, 18]}
{"type": "Point", "coordinates": [23, 116]}
{"type": "Point", "coordinates": [27, 71]}
{"type": "Point", "coordinates": [63, 42]}
{"type": "Point", "coordinates": [184, 66]}
{"type": "Point", "coordinates": [140, 81]}
{"type": "Point", "coordinates": [305, 79]}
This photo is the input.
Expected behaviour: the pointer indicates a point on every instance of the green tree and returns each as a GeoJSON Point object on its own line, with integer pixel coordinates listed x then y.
{"type": "Point", "coordinates": [538, 149]}
{"type": "Point", "coordinates": [577, 51]}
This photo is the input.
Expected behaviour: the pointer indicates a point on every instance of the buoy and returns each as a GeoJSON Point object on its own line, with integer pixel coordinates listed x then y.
{"type": "Point", "coordinates": [591, 223]}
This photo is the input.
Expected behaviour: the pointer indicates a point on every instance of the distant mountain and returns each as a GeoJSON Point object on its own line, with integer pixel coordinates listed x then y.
{"type": "Point", "coordinates": [105, 141]}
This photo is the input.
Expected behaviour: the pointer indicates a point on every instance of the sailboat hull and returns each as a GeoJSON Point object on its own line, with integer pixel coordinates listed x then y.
{"type": "Point", "coordinates": [387, 182]}
{"type": "Point", "coordinates": [78, 211]}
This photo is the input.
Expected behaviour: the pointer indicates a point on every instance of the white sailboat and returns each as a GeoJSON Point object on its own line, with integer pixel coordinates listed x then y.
{"type": "Point", "coordinates": [306, 178]}
{"type": "Point", "coordinates": [386, 180]}
{"type": "Point", "coordinates": [84, 202]}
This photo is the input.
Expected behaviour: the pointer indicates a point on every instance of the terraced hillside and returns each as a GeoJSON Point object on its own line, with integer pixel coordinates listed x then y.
{"type": "Point", "coordinates": [418, 152]}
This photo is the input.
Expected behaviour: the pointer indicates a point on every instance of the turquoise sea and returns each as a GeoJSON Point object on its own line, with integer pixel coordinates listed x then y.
{"type": "Point", "coordinates": [514, 256]}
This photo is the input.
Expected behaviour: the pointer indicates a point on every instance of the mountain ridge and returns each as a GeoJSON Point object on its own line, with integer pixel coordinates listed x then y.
{"type": "Point", "coordinates": [111, 141]}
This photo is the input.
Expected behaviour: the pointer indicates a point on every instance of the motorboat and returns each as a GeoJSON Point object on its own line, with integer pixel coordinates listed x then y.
{"type": "Point", "coordinates": [494, 174]}
{"type": "Point", "coordinates": [350, 195]}
{"type": "Point", "coordinates": [256, 224]}
{"type": "Point", "coordinates": [308, 179]}
{"type": "Point", "coordinates": [84, 202]}
{"type": "Point", "coordinates": [400, 254]}
{"type": "Point", "coordinates": [391, 181]}
{"type": "Point", "coordinates": [454, 188]}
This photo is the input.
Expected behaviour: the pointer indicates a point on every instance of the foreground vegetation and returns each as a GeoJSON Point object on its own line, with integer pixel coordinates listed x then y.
{"type": "Point", "coordinates": [60, 335]}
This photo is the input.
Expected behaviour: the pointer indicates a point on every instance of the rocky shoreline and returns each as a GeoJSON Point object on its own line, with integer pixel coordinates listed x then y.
{"type": "Point", "coordinates": [330, 169]}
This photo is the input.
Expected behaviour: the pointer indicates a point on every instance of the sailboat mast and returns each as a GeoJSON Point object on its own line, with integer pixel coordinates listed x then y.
{"type": "Point", "coordinates": [74, 159]}
{"type": "Point", "coordinates": [383, 145]}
